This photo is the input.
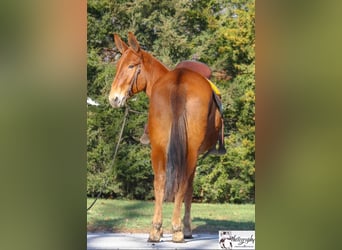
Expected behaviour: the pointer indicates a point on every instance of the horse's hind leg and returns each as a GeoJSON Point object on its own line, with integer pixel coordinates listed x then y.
{"type": "Point", "coordinates": [192, 161]}
{"type": "Point", "coordinates": [158, 164]}
{"type": "Point", "coordinates": [187, 212]}
{"type": "Point", "coordinates": [184, 194]}
{"type": "Point", "coordinates": [177, 229]}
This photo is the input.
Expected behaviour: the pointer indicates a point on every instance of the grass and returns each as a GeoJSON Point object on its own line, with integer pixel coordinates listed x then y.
{"type": "Point", "coordinates": [136, 216]}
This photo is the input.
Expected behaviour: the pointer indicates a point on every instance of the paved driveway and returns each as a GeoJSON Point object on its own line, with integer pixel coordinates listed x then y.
{"type": "Point", "coordinates": [139, 241]}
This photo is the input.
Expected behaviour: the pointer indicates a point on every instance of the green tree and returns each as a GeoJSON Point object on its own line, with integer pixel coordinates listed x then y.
{"type": "Point", "coordinates": [230, 37]}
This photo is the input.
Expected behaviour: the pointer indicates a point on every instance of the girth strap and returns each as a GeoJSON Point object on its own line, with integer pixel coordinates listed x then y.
{"type": "Point", "coordinates": [218, 103]}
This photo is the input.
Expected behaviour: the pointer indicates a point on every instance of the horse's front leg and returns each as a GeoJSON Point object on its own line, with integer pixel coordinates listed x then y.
{"type": "Point", "coordinates": [158, 163]}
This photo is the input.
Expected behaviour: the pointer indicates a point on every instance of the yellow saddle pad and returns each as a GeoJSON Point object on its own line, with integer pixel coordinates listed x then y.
{"type": "Point", "coordinates": [213, 86]}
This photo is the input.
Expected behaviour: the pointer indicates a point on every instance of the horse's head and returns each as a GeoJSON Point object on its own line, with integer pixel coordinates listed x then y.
{"type": "Point", "coordinates": [128, 78]}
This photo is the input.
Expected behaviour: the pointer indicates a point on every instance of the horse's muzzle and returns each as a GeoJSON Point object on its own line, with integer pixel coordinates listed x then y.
{"type": "Point", "coordinates": [117, 101]}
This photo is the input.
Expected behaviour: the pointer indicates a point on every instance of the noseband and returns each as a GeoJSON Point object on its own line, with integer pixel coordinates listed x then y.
{"type": "Point", "coordinates": [134, 81]}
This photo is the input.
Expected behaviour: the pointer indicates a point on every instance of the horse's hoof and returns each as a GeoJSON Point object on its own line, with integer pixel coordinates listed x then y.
{"type": "Point", "coordinates": [154, 237]}
{"type": "Point", "coordinates": [187, 236]}
{"type": "Point", "coordinates": [144, 139]}
{"type": "Point", "coordinates": [155, 234]}
{"type": "Point", "coordinates": [151, 239]}
{"type": "Point", "coordinates": [178, 237]}
{"type": "Point", "coordinates": [187, 233]}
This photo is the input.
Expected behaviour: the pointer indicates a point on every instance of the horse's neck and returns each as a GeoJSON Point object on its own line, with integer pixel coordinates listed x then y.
{"type": "Point", "coordinates": [155, 71]}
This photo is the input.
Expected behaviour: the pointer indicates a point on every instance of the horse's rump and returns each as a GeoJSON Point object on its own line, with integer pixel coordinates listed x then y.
{"type": "Point", "coordinates": [183, 97]}
{"type": "Point", "coordinates": [196, 66]}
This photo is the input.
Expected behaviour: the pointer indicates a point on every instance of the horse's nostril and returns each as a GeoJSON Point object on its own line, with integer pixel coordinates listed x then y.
{"type": "Point", "coordinates": [115, 101]}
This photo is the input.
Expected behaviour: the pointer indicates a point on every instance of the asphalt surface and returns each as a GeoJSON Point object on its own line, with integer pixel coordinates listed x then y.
{"type": "Point", "coordinates": [139, 241]}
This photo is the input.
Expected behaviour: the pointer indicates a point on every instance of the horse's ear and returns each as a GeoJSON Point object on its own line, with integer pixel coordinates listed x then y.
{"type": "Point", "coordinates": [121, 45]}
{"type": "Point", "coordinates": [132, 41]}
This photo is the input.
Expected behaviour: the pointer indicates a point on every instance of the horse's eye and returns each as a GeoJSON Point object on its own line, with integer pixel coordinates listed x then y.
{"type": "Point", "coordinates": [131, 66]}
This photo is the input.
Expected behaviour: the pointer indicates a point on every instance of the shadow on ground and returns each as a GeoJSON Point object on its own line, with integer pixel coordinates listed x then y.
{"type": "Point", "coordinates": [116, 225]}
{"type": "Point", "coordinates": [213, 226]}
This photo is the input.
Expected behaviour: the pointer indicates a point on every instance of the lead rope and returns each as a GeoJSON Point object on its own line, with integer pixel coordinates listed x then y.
{"type": "Point", "coordinates": [130, 92]}
{"type": "Point", "coordinates": [114, 157]}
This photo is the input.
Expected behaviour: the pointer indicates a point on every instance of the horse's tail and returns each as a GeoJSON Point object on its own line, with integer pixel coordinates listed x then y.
{"type": "Point", "coordinates": [178, 146]}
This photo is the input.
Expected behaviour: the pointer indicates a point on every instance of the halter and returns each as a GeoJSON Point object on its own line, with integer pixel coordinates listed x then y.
{"type": "Point", "coordinates": [134, 81]}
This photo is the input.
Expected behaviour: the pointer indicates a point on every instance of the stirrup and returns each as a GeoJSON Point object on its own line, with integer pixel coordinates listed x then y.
{"type": "Point", "coordinates": [220, 151]}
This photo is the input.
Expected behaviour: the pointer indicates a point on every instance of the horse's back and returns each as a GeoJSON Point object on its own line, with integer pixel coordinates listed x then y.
{"type": "Point", "coordinates": [185, 84]}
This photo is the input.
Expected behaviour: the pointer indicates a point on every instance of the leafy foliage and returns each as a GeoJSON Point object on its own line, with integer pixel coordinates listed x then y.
{"type": "Point", "coordinates": [220, 33]}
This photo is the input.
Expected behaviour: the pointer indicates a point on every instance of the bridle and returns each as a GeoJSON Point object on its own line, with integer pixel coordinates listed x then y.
{"type": "Point", "coordinates": [134, 81]}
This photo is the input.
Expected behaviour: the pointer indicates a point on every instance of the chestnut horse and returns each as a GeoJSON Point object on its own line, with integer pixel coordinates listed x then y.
{"type": "Point", "coordinates": [183, 122]}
